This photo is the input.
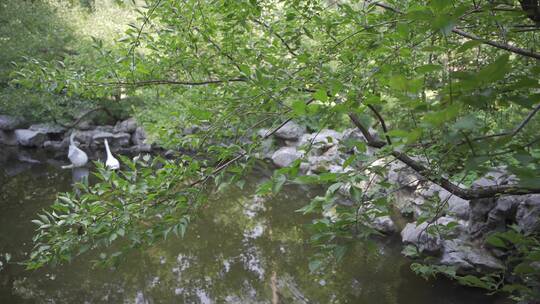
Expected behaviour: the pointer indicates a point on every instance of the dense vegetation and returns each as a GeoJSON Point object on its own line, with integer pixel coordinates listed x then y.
{"type": "Point", "coordinates": [452, 88]}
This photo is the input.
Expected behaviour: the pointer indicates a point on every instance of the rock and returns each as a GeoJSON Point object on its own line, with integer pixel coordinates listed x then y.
{"type": "Point", "coordinates": [458, 207]}
{"type": "Point", "coordinates": [400, 174]}
{"type": "Point", "coordinates": [416, 235]}
{"type": "Point", "coordinates": [121, 140]}
{"type": "Point", "coordinates": [422, 237]}
{"type": "Point", "coordinates": [8, 138]}
{"type": "Point", "coordinates": [139, 136]}
{"type": "Point", "coordinates": [497, 177]}
{"type": "Point", "coordinates": [85, 125]}
{"type": "Point", "coordinates": [285, 156]}
{"type": "Point", "coordinates": [528, 214]}
{"type": "Point", "coordinates": [48, 128]}
{"type": "Point", "coordinates": [29, 138]}
{"type": "Point", "coordinates": [466, 257]}
{"type": "Point", "coordinates": [428, 189]}
{"type": "Point", "coordinates": [127, 126]}
{"type": "Point", "coordinates": [266, 149]}
{"type": "Point", "coordinates": [98, 137]}
{"type": "Point", "coordinates": [10, 123]}
{"type": "Point", "coordinates": [408, 204]}
{"type": "Point", "coordinates": [326, 161]}
{"type": "Point", "coordinates": [85, 137]}
{"type": "Point", "coordinates": [354, 135]}
{"type": "Point", "coordinates": [325, 137]}
{"type": "Point", "coordinates": [115, 140]}
{"type": "Point", "coordinates": [54, 145]}
{"type": "Point", "coordinates": [109, 129]}
{"type": "Point", "coordinates": [384, 224]}
{"type": "Point", "coordinates": [492, 214]}
{"type": "Point", "coordinates": [262, 132]}
{"type": "Point", "coordinates": [290, 130]}
{"type": "Point", "coordinates": [143, 148]}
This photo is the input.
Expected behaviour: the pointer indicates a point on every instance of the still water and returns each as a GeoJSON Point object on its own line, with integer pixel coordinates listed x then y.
{"type": "Point", "coordinates": [241, 249]}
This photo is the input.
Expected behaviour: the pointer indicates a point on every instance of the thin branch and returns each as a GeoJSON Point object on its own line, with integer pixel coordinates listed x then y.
{"type": "Point", "coordinates": [516, 130]}
{"type": "Point", "coordinates": [498, 45]}
{"type": "Point", "coordinates": [168, 82]}
{"type": "Point", "coordinates": [462, 33]}
{"type": "Point", "coordinates": [283, 41]}
{"type": "Point", "coordinates": [383, 124]}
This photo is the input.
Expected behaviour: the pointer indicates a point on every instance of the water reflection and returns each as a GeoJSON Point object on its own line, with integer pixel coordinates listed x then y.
{"type": "Point", "coordinates": [241, 249]}
{"type": "Point", "coordinates": [80, 175]}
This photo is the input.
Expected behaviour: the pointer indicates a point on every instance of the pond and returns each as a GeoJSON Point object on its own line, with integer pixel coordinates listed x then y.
{"type": "Point", "coordinates": [241, 249]}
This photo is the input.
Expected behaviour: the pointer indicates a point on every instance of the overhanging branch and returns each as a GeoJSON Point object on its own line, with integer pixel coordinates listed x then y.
{"type": "Point", "coordinates": [167, 82]}
{"type": "Point", "coordinates": [476, 193]}
{"type": "Point", "coordinates": [499, 45]}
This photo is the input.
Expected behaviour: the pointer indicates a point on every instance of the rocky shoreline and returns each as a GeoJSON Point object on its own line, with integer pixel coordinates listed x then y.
{"type": "Point", "coordinates": [124, 137]}
{"type": "Point", "coordinates": [466, 224]}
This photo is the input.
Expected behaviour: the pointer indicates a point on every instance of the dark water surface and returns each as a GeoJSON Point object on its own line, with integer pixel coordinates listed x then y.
{"type": "Point", "coordinates": [242, 249]}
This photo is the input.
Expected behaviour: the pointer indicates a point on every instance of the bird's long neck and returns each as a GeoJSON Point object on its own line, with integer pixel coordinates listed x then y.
{"type": "Point", "coordinates": [71, 139]}
{"type": "Point", "coordinates": [109, 154]}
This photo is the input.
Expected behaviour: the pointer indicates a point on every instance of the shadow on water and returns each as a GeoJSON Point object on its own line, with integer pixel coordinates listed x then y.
{"type": "Point", "coordinates": [241, 249]}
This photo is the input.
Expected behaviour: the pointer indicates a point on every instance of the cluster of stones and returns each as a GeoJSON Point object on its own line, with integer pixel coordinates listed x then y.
{"type": "Point", "coordinates": [467, 223]}
{"type": "Point", "coordinates": [125, 136]}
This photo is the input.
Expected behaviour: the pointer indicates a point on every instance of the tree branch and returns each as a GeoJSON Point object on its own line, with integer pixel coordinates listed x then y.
{"type": "Point", "coordinates": [168, 82]}
{"type": "Point", "coordinates": [516, 130]}
{"type": "Point", "coordinates": [291, 51]}
{"type": "Point", "coordinates": [462, 33]}
{"type": "Point", "coordinates": [468, 194]}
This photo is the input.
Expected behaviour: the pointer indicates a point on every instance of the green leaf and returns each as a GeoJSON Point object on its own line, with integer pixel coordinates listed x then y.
{"type": "Point", "coordinates": [299, 107]}
{"type": "Point", "coordinates": [495, 241]}
{"type": "Point", "coordinates": [496, 70]}
{"type": "Point", "coordinates": [321, 95]}
{"type": "Point", "coordinates": [279, 181]}
{"type": "Point", "coordinates": [315, 265]}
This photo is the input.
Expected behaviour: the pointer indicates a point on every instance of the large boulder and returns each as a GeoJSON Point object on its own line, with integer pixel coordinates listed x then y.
{"type": "Point", "coordinates": [285, 156]}
{"type": "Point", "coordinates": [467, 257]}
{"type": "Point", "coordinates": [492, 214]}
{"type": "Point", "coordinates": [139, 136]}
{"type": "Point", "coordinates": [456, 205]}
{"type": "Point", "coordinates": [127, 126]}
{"type": "Point", "coordinates": [10, 123]}
{"type": "Point", "coordinates": [8, 138]}
{"type": "Point", "coordinates": [423, 236]}
{"type": "Point", "coordinates": [290, 130]}
{"type": "Point", "coordinates": [528, 214]}
{"type": "Point", "coordinates": [29, 138]}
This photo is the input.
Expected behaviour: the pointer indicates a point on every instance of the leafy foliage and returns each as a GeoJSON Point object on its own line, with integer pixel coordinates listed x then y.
{"type": "Point", "coordinates": [463, 100]}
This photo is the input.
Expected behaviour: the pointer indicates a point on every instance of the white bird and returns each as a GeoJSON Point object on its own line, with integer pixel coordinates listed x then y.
{"type": "Point", "coordinates": [77, 156]}
{"type": "Point", "coordinates": [111, 163]}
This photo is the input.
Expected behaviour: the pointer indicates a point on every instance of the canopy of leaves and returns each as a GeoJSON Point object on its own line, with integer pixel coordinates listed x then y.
{"type": "Point", "coordinates": [455, 82]}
